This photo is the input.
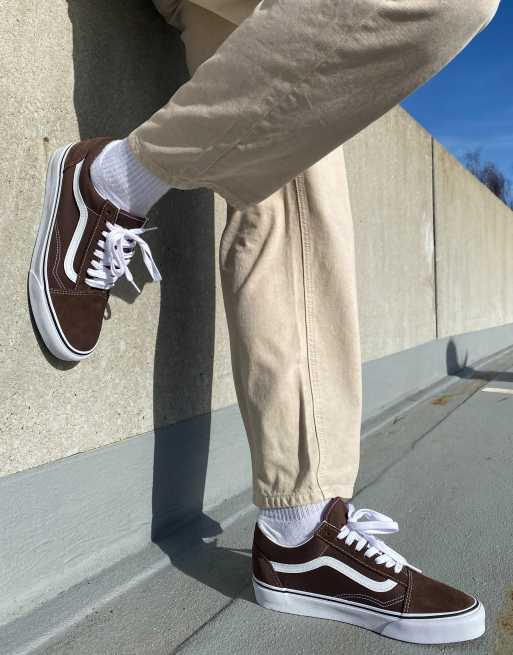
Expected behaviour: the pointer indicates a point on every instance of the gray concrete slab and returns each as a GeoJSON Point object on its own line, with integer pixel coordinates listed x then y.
{"type": "Point", "coordinates": [410, 371]}
{"type": "Point", "coordinates": [450, 489]}
{"type": "Point", "coordinates": [173, 337]}
{"type": "Point", "coordinates": [389, 171]}
{"type": "Point", "coordinates": [473, 228]}
{"type": "Point", "coordinates": [172, 340]}
{"type": "Point", "coordinates": [443, 470]}
{"type": "Point", "coordinates": [70, 519]}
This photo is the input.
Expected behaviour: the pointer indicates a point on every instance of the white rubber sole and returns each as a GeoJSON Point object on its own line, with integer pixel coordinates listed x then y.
{"type": "Point", "coordinates": [39, 295]}
{"type": "Point", "coordinates": [420, 629]}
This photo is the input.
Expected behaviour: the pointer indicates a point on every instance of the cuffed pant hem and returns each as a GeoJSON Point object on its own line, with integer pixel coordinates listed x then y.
{"type": "Point", "coordinates": [179, 183]}
{"type": "Point", "coordinates": [302, 498]}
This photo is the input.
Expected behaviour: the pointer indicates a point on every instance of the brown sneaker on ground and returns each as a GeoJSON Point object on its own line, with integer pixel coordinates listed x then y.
{"type": "Point", "coordinates": [84, 245]}
{"type": "Point", "coordinates": [344, 573]}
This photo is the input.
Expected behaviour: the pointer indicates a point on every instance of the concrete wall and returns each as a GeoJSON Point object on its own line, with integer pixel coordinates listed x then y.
{"type": "Point", "coordinates": [389, 169]}
{"type": "Point", "coordinates": [433, 262]}
{"type": "Point", "coordinates": [76, 69]}
{"type": "Point", "coordinates": [474, 237]}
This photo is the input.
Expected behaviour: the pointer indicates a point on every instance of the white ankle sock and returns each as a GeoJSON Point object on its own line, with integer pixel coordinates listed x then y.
{"type": "Point", "coordinates": [290, 526]}
{"type": "Point", "coordinates": [118, 176]}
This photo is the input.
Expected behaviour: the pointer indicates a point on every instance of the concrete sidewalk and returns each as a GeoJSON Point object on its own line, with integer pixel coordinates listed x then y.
{"type": "Point", "coordinates": [443, 468]}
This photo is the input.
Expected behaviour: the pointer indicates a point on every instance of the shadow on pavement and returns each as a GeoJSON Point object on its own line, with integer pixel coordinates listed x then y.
{"type": "Point", "coordinates": [127, 64]}
{"type": "Point", "coordinates": [460, 369]}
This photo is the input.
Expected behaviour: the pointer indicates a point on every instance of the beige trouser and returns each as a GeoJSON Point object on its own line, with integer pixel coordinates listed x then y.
{"type": "Point", "coordinates": [260, 122]}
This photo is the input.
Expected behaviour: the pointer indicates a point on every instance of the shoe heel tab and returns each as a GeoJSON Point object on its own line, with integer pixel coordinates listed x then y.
{"type": "Point", "coordinates": [259, 537]}
{"type": "Point", "coordinates": [262, 568]}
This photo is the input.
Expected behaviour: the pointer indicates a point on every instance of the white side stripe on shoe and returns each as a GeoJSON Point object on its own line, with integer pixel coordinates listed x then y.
{"type": "Point", "coordinates": [69, 259]}
{"type": "Point", "coordinates": [325, 560]}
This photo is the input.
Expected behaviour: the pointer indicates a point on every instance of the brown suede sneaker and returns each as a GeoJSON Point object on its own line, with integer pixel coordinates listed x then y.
{"type": "Point", "coordinates": [83, 246]}
{"type": "Point", "coordinates": [344, 573]}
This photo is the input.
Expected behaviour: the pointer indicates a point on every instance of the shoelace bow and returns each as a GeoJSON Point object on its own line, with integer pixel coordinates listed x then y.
{"type": "Point", "coordinates": [363, 533]}
{"type": "Point", "coordinates": [113, 256]}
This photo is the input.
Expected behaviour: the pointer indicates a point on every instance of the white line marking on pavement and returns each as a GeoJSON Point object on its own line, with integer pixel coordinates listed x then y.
{"type": "Point", "coordinates": [498, 390]}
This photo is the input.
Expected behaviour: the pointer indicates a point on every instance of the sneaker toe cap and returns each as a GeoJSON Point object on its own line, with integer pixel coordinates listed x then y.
{"type": "Point", "coordinates": [80, 318]}
{"type": "Point", "coordinates": [431, 596]}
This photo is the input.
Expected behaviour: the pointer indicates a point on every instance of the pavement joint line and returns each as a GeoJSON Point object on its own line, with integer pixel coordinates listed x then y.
{"type": "Point", "coordinates": [414, 443]}
{"type": "Point", "coordinates": [201, 627]}
{"type": "Point", "coordinates": [162, 563]}
{"type": "Point", "coordinates": [387, 415]}
{"type": "Point", "coordinates": [410, 449]}
{"type": "Point", "coordinates": [230, 520]}
{"type": "Point", "coordinates": [444, 418]}
{"type": "Point", "coordinates": [62, 627]}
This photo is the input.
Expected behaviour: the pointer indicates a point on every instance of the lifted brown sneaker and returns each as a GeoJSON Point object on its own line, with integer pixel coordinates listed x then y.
{"type": "Point", "coordinates": [344, 573]}
{"type": "Point", "coordinates": [84, 245]}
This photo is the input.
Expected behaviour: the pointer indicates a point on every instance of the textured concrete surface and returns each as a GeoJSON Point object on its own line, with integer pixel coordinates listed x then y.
{"type": "Point", "coordinates": [79, 69]}
{"type": "Point", "coordinates": [434, 363]}
{"type": "Point", "coordinates": [390, 182]}
{"type": "Point", "coordinates": [74, 69]}
{"type": "Point", "coordinates": [441, 469]}
{"type": "Point", "coordinates": [474, 236]}
{"type": "Point", "coordinates": [67, 520]}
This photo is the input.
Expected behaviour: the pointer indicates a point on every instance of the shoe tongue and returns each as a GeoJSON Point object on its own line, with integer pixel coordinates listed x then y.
{"type": "Point", "coordinates": [336, 513]}
{"type": "Point", "coordinates": [129, 221]}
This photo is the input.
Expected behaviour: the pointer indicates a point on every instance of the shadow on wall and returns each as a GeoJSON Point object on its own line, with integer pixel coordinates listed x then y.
{"type": "Point", "coordinates": [127, 64]}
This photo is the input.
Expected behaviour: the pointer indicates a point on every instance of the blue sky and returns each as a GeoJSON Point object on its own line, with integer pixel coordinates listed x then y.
{"type": "Point", "coordinates": [469, 104]}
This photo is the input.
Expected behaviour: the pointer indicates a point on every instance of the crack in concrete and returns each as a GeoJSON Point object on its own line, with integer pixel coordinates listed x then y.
{"type": "Point", "coordinates": [416, 441]}
{"type": "Point", "coordinates": [410, 449]}
{"type": "Point", "coordinates": [200, 628]}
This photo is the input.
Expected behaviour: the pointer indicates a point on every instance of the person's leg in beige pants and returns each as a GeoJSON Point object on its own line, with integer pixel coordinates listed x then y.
{"type": "Point", "coordinates": [288, 86]}
{"type": "Point", "coordinates": [277, 87]}
{"type": "Point", "coordinates": [292, 82]}
{"type": "Point", "coordinates": [287, 271]}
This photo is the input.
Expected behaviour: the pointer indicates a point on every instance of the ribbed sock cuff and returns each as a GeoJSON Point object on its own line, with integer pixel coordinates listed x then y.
{"type": "Point", "coordinates": [119, 176]}
{"type": "Point", "coordinates": [297, 513]}
{"type": "Point", "coordinates": [291, 526]}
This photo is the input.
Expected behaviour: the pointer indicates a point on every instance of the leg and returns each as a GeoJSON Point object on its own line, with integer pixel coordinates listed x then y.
{"type": "Point", "coordinates": [288, 283]}
{"type": "Point", "coordinates": [287, 271]}
{"type": "Point", "coordinates": [288, 279]}
{"type": "Point", "coordinates": [273, 101]}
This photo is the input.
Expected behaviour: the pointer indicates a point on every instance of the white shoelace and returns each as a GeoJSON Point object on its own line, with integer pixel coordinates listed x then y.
{"type": "Point", "coordinates": [113, 256]}
{"type": "Point", "coordinates": [363, 533]}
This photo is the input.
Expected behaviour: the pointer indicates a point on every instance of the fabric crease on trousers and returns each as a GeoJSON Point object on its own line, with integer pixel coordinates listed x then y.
{"type": "Point", "coordinates": [277, 87]}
